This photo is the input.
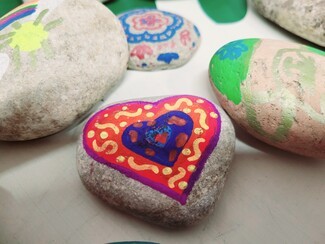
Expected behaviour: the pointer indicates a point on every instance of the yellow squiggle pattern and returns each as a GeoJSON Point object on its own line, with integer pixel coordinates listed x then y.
{"type": "Point", "coordinates": [178, 104]}
{"type": "Point", "coordinates": [102, 148]}
{"type": "Point", "coordinates": [128, 114]}
{"type": "Point", "coordinates": [180, 175]}
{"type": "Point", "coordinates": [142, 167]}
{"type": "Point", "coordinates": [203, 117]}
{"type": "Point", "coordinates": [197, 151]}
{"type": "Point", "coordinates": [108, 125]}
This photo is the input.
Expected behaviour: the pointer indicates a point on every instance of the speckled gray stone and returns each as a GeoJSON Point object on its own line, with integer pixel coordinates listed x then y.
{"type": "Point", "coordinates": [138, 199]}
{"type": "Point", "coordinates": [304, 18]}
{"type": "Point", "coordinates": [54, 73]}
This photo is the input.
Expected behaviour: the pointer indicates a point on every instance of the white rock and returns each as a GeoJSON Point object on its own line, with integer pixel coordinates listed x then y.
{"type": "Point", "coordinates": [158, 39]}
{"type": "Point", "coordinates": [63, 58]}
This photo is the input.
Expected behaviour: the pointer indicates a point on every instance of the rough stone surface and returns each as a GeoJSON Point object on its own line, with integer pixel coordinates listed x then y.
{"type": "Point", "coordinates": [275, 90]}
{"type": "Point", "coordinates": [107, 173]}
{"type": "Point", "coordinates": [56, 63]}
{"type": "Point", "coordinates": [158, 39]}
{"type": "Point", "coordinates": [305, 18]}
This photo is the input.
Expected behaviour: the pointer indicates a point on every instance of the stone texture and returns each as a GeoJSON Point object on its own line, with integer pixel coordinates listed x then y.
{"type": "Point", "coordinates": [304, 18]}
{"type": "Point", "coordinates": [108, 175]}
{"type": "Point", "coordinates": [158, 39]}
{"type": "Point", "coordinates": [275, 90]}
{"type": "Point", "coordinates": [56, 64]}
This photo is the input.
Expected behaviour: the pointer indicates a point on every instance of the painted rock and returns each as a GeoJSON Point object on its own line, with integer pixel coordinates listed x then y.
{"type": "Point", "coordinates": [54, 65]}
{"type": "Point", "coordinates": [275, 90]}
{"type": "Point", "coordinates": [301, 17]}
{"type": "Point", "coordinates": [158, 40]}
{"type": "Point", "coordinates": [162, 160]}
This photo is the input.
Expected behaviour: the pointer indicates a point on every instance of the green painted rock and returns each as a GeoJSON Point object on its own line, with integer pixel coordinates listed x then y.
{"type": "Point", "coordinates": [275, 90]}
{"type": "Point", "coordinates": [58, 58]}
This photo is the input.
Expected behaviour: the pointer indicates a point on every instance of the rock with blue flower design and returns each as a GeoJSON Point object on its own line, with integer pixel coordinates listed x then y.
{"type": "Point", "coordinates": [275, 90]}
{"type": "Point", "coordinates": [158, 39]}
{"type": "Point", "coordinates": [303, 18]}
{"type": "Point", "coordinates": [54, 65]}
{"type": "Point", "coordinates": [164, 160]}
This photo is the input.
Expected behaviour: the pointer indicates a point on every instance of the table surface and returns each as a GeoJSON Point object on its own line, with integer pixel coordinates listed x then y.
{"type": "Point", "coordinates": [270, 196]}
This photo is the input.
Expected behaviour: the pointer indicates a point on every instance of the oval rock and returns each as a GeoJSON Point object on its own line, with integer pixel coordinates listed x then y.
{"type": "Point", "coordinates": [158, 39]}
{"type": "Point", "coordinates": [275, 90]}
{"type": "Point", "coordinates": [54, 65]}
{"type": "Point", "coordinates": [156, 158]}
{"type": "Point", "coordinates": [303, 18]}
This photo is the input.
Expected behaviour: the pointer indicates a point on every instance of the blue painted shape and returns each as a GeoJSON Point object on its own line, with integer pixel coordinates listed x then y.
{"type": "Point", "coordinates": [197, 31]}
{"type": "Point", "coordinates": [168, 57]}
{"type": "Point", "coordinates": [232, 50]}
{"type": "Point", "coordinates": [137, 36]}
{"type": "Point", "coordinates": [147, 137]}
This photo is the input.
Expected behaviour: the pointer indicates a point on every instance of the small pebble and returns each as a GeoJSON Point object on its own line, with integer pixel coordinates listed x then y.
{"type": "Point", "coordinates": [158, 39]}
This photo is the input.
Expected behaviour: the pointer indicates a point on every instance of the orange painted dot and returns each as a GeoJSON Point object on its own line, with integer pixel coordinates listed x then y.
{"type": "Point", "coordinates": [191, 168]}
{"type": "Point", "coordinates": [199, 101]}
{"type": "Point", "coordinates": [150, 152]}
{"type": "Point", "coordinates": [187, 110]}
{"type": "Point", "coordinates": [103, 135]}
{"type": "Point", "coordinates": [174, 120]}
{"type": "Point", "coordinates": [167, 171]}
{"type": "Point", "coordinates": [148, 106]}
{"type": "Point", "coordinates": [186, 151]}
{"type": "Point", "coordinates": [91, 134]}
{"type": "Point", "coordinates": [133, 136]}
{"type": "Point", "coordinates": [120, 159]}
{"type": "Point", "coordinates": [214, 115]}
{"type": "Point", "coordinates": [198, 131]}
{"type": "Point", "coordinates": [182, 185]}
{"type": "Point", "coordinates": [181, 140]}
{"type": "Point", "coordinates": [123, 124]}
{"type": "Point", "coordinates": [150, 114]}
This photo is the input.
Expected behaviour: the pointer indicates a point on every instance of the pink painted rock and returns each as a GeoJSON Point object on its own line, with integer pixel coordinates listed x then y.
{"type": "Point", "coordinates": [158, 39]}
{"type": "Point", "coordinates": [163, 160]}
{"type": "Point", "coordinates": [275, 90]}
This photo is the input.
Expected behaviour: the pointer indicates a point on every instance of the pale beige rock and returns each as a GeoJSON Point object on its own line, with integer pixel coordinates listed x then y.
{"type": "Point", "coordinates": [305, 18]}
{"type": "Point", "coordinates": [282, 97]}
{"type": "Point", "coordinates": [46, 88]}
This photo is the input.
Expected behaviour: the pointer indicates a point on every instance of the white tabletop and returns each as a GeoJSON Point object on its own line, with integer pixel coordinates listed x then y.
{"type": "Point", "coordinates": [270, 196]}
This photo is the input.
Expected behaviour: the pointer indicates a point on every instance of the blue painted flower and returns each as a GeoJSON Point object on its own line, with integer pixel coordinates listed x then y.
{"type": "Point", "coordinates": [232, 50]}
{"type": "Point", "coordinates": [150, 25]}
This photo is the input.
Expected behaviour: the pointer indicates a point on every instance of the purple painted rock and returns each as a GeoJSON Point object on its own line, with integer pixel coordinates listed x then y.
{"type": "Point", "coordinates": [158, 39]}
{"type": "Point", "coordinates": [163, 160]}
{"type": "Point", "coordinates": [275, 90]}
{"type": "Point", "coordinates": [54, 65]}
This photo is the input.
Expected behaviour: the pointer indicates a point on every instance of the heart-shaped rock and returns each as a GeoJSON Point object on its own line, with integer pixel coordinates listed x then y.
{"type": "Point", "coordinates": [158, 158]}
